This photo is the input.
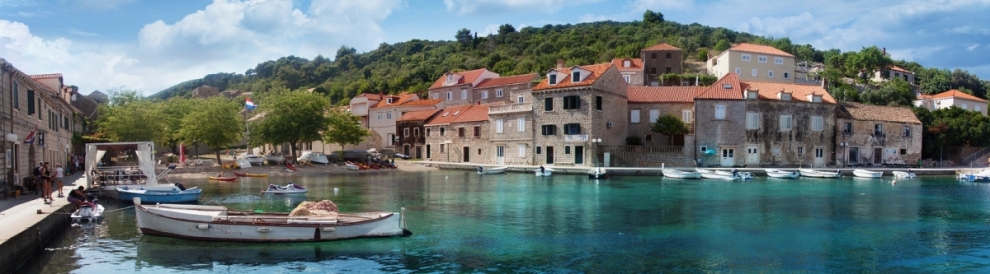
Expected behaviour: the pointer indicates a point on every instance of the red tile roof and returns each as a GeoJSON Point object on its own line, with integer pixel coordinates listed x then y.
{"type": "Point", "coordinates": [726, 88]}
{"type": "Point", "coordinates": [507, 80]}
{"type": "Point", "coordinates": [397, 99]}
{"type": "Point", "coordinates": [799, 93]}
{"type": "Point", "coordinates": [46, 76]}
{"type": "Point", "coordinates": [864, 112]}
{"type": "Point", "coordinates": [663, 94]}
{"type": "Point", "coordinates": [661, 46]}
{"type": "Point", "coordinates": [893, 67]}
{"type": "Point", "coordinates": [957, 94]}
{"type": "Point", "coordinates": [635, 64]}
{"type": "Point", "coordinates": [428, 102]}
{"type": "Point", "coordinates": [754, 48]}
{"type": "Point", "coordinates": [421, 115]}
{"type": "Point", "coordinates": [565, 81]}
{"type": "Point", "coordinates": [467, 77]}
{"type": "Point", "coordinates": [460, 114]}
{"type": "Point", "coordinates": [370, 96]}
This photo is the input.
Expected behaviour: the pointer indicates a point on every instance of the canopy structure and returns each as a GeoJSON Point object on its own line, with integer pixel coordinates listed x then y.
{"type": "Point", "coordinates": [144, 151]}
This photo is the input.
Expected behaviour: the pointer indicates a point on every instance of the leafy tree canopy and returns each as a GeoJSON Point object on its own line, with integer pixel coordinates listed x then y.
{"type": "Point", "coordinates": [344, 129]}
{"type": "Point", "coordinates": [284, 116]}
{"type": "Point", "coordinates": [214, 122]}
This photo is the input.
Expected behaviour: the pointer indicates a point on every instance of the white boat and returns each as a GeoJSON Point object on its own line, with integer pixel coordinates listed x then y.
{"type": "Point", "coordinates": [219, 223]}
{"type": "Point", "coordinates": [712, 174]}
{"type": "Point", "coordinates": [982, 176]}
{"type": "Point", "coordinates": [598, 173]}
{"type": "Point", "coordinates": [777, 173]}
{"type": "Point", "coordinates": [253, 159]}
{"type": "Point", "coordinates": [313, 157]}
{"type": "Point", "coordinates": [89, 212]}
{"type": "Point", "coordinates": [543, 171]}
{"type": "Point", "coordinates": [807, 172]}
{"type": "Point", "coordinates": [243, 163]}
{"type": "Point", "coordinates": [491, 170]}
{"type": "Point", "coordinates": [109, 178]}
{"type": "Point", "coordinates": [351, 166]}
{"type": "Point", "coordinates": [680, 174]}
{"type": "Point", "coordinates": [290, 188]}
{"type": "Point", "coordinates": [904, 174]}
{"type": "Point", "coordinates": [274, 159]}
{"type": "Point", "coordinates": [743, 175]}
{"type": "Point", "coordinates": [862, 173]}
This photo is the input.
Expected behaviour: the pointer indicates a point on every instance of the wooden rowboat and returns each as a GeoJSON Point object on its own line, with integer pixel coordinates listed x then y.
{"type": "Point", "coordinates": [250, 174]}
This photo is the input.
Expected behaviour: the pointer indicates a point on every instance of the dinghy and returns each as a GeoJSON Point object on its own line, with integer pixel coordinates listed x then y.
{"type": "Point", "coordinates": [777, 173]}
{"type": "Point", "coordinates": [807, 172]}
{"type": "Point", "coordinates": [491, 170]}
{"type": "Point", "coordinates": [598, 173]}
{"type": "Point", "coordinates": [680, 174]}
{"type": "Point", "coordinates": [543, 171]}
{"type": "Point", "coordinates": [290, 188]}
{"type": "Point", "coordinates": [904, 174]}
{"type": "Point", "coordinates": [862, 173]}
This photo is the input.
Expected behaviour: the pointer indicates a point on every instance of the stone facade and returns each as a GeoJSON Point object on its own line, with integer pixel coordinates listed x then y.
{"type": "Point", "coordinates": [718, 139]}
{"type": "Point", "coordinates": [412, 133]}
{"type": "Point", "coordinates": [205, 91]}
{"type": "Point", "coordinates": [458, 88]}
{"type": "Point", "coordinates": [877, 135]}
{"type": "Point", "coordinates": [516, 136]}
{"type": "Point", "coordinates": [460, 134]}
{"type": "Point", "coordinates": [646, 111]}
{"type": "Point", "coordinates": [795, 143]}
{"type": "Point", "coordinates": [658, 60]}
{"type": "Point", "coordinates": [753, 62]}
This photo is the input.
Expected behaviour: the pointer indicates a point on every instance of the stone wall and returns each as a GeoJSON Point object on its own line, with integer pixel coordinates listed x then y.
{"type": "Point", "coordinates": [720, 134]}
{"type": "Point", "coordinates": [480, 147]}
{"type": "Point", "coordinates": [455, 95]}
{"type": "Point", "coordinates": [895, 147]}
{"type": "Point", "coordinates": [511, 138]}
{"type": "Point", "coordinates": [795, 147]}
{"type": "Point", "coordinates": [660, 63]}
{"type": "Point", "coordinates": [642, 129]}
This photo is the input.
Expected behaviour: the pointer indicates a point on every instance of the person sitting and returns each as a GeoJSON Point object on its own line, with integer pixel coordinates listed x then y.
{"type": "Point", "coordinates": [77, 197]}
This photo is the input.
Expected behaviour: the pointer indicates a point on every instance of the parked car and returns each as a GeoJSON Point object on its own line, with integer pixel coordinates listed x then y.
{"type": "Point", "coordinates": [401, 156]}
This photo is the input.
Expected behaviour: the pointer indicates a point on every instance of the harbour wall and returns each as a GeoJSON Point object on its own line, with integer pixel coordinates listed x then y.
{"type": "Point", "coordinates": [25, 245]}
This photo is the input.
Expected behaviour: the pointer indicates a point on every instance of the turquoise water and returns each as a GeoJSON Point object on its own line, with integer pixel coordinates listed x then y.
{"type": "Point", "coordinates": [464, 222]}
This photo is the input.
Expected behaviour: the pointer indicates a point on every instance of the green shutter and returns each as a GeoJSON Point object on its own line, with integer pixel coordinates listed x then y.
{"type": "Point", "coordinates": [30, 99]}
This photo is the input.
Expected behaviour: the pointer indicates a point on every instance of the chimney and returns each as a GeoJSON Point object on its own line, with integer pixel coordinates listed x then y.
{"type": "Point", "coordinates": [560, 63]}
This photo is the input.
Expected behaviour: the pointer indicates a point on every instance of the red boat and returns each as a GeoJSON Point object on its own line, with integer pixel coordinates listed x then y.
{"type": "Point", "coordinates": [290, 166]}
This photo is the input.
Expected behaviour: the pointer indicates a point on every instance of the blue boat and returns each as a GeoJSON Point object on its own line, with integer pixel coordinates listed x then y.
{"type": "Point", "coordinates": [982, 176]}
{"type": "Point", "coordinates": [177, 194]}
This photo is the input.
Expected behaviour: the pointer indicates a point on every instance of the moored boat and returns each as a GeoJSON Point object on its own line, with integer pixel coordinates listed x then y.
{"type": "Point", "coordinates": [351, 166]}
{"type": "Point", "coordinates": [904, 174]}
{"type": "Point", "coordinates": [221, 178]}
{"type": "Point", "coordinates": [743, 175]}
{"type": "Point", "coordinates": [491, 170]}
{"type": "Point", "coordinates": [807, 172]}
{"type": "Point", "coordinates": [598, 173]}
{"type": "Point", "coordinates": [178, 194]}
{"type": "Point", "coordinates": [308, 223]}
{"type": "Point", "coordinates": [89, 212]}
{"type": "Point", "coordinates": [239, 174]}
{"type": "Point", "coordinates": [680, 174]}
{"type": "Point", "coordinates": [777, 173]}
{"type": "Point", "coordinates": [290, 188]}
{"type": "Point", "coordinates": [543, 171]}
{"type": "Point", "coordinates": [863, 173]}
{"type": "Point", "coordinates": [713, 174]}
{"type": "Point", "coordinates": [982, 176]}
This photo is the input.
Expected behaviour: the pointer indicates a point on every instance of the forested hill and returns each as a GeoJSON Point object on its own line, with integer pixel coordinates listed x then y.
{"type": "Point", "coordinates": [415, 64]}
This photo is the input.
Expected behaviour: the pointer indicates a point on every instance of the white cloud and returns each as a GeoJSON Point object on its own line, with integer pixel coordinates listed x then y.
{"type": "Point", "coordinates": [497, 6]}
{"type": "Point", "coordinates": [489, 30]}
{"type": "Point", "coordinates": [973, 47]}
{"type": "Point", "coordinates": [663, 5]}
{"type": "Point", "coordinates": [84, 33]}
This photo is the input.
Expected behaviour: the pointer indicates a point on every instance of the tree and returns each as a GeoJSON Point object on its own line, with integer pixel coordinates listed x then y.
{"type": "Point", "coordinates": [722, 45]}
{"type": "Point", "coordinates": [344, 129]}
{"type": "Point", "coordinates": [506, 29]}
{"type": "Point", "coordinates": [214, 122]}
{"type": "Point", "coordinates": [867, 61]}
{"type": "Point", "coordinates": [288, 117]}
{"type": "Point", "coordinates": [703, 55]}
{"type": "Point", "coordinates": [652, 17]}
{"type": "Point", "coordinates": [669, 125]}
{"type": "Point", "coordinates": [130, 118]}
{"type": "Point", "coordinates": [173, 111]}
{"type": "Point", "coordinates": [895, 92]}
{"type": "Point", "coordinates": [934, 81]}
{"type": "Point", "coordinates": [463, 37]}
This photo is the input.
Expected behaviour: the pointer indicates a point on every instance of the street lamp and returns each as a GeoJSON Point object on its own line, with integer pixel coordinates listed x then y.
{"type": "Point", "coordinates": [596, 142]}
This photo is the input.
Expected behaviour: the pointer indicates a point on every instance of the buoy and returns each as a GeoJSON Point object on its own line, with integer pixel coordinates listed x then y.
{"type": "Point", "coordinates": [894, 182]}
{"type": "Point", "coordinates": [335, 190]}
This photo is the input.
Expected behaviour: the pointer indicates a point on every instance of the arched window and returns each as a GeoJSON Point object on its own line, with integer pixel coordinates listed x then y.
{"type": "Point", "coordinates": [649, 138]}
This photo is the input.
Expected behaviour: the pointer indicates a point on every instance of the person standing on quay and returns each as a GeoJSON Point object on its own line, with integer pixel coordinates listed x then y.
{"type": "Point", "coordinates": [59, 173]}
{"type": "Point", "coordinates": [46, 183]}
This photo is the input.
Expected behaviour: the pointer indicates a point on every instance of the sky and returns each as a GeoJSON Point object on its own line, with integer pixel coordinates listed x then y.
{"type": "Point", "coordinates": [150, 45]}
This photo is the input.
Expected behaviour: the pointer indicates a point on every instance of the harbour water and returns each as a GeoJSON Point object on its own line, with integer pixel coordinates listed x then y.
{"type": "Point", "coordinates": [465, 222]}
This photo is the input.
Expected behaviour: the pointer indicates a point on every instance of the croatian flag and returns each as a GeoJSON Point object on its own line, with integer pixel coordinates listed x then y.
{"type": "Point", "coordinates": [30, 137]}
{"type": "Point", "coordinates": [248, 104]}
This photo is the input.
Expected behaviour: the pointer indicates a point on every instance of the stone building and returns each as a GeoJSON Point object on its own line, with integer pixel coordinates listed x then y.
{"type": "Point", "coordinates": [787, 125]}
{"type": "Point", "coordinates": [512, 132]}
{"type": "Point", "coordinates": [646, 105]}
{"type": "Point", "coordinates": [508, 89]}
{"type": "Point", "coordinates": [877, 135]}
{"type": "Point", "coordinates": [631, 70]}
{"type": "Point", "coordinates": [952, 98]}
{"type": "Point", "coordinates": [205, 91]}
{"type": "Point", "coordinates": [720, 112]}
{"type": "Point", "coordinates": [411, 131]}
{"type": "Point", "coordinates": [459, 134]}
{"type": "Point", "coordinates": [570, 111]}
{"type": "Point", "coordinates": [752, 62]}
{"type": "Point", "coordinates": [660, 59]}
{"type": "Point", "coordinates": [382, 115]}
{"type": "Point", "coordinates": [459, 88]}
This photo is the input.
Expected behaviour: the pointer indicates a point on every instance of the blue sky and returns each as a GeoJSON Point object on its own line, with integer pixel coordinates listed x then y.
{"type": "Point", "coordinates": [151, 45]}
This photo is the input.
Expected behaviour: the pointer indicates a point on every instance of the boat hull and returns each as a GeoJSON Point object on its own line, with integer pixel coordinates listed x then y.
{"type": "Point", "coordinates": [862, 173]}
{"type": "Point", "coordinates": [598, 173]}
{"type": "Point", "coordinates": [545, 172]}
{"type": "Point", "coordinates": [819, 174]}
{"type": "Point", "coordinates": [157, 196]}
{"type": "Point", "coordinates": [111, 190]}
{"type": "Point", "coordinates": [776, 173]}
{"type": "Point", "coordinates": [161, 221]}
{"type": "Point", "coordinates": [490, 170]}
{"type": "Point", "coordinates": [250, 174]}
{"type": "Point", "coordinates": [678, 174]}
{"type": "Point", "coordinates": [222, 179]}
{"type": "Point", "coordinates": [904, 174]}
{"type": "Point", "coordinates": [88, 214]}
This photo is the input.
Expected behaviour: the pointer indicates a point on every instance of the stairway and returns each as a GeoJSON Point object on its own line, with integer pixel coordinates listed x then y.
{"type": "Point", "coordinates": [979, 159]}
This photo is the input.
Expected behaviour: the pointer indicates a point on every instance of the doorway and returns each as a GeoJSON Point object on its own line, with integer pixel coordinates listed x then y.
{"type": "Point", "coordinates": [419, 152]}
{"type": "Point", "coordinates": [728, 157]}
{"type": "Point", "coordinates": [752, 155]}
{"type": "Point", "coordinates": [467, 154]}
{"type": "Point", "coordinates": [427, 151]}
{"type": "Point", "coordinates": [853, 156]}
{"type": "Point", "coordinates": [500, 155]}
{"type": "Point", "coordinates": [877, 155]}
{"type": "Point", "coordinates": [578, 155]}
{"type": "Point", "coordinates": [549, 155]}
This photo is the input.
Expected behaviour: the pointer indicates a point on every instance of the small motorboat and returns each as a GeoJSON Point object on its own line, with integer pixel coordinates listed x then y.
{"type": "Point", "coordinates": [862, 173]}
{"type": "Point", "coordinates": [491, 170]}
{"type": "Point", "coordinates": [680, 174]}
{"type": "Point", "coordinates": [253, 159]}
{"type": "Point", "coordinates": [178, 194]}
{"type": "Point", "coordinates": [290, 188]}
{"type": "Point", "coordinates": [743, 175]}
{"type": "Point", "coordinates": [543, 171]}
{"type": "Point", "coordinates": [290, 166]}
{"type": "Point", "coordinates": [309, 222]}
{"type": "Point", "coordinates": [89, 212]}
{"type": "Point", "coordinates": [904, 174]}
{"type": "Point", "coordinates": [807, 172]}
{"type": "Point", "coordinates": [274, 159]}
{"type": "Point", "coordinates": [598, 173]}
{"type": "Point", "coordinates": [777, 173]}
{"type": "Point", "coordinates": [351, 166]}
{"type": "Point", "coordinates": [221, 178]}
{"type": "Point", "coordinates": [250, 174]}
{"type": "Point", "coordinates": [982, 176]}
{"type": "Point", "coordinates": [712, 174]}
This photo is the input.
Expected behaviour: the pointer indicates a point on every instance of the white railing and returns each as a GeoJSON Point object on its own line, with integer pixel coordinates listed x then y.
{"type": "Point", "coordinates": [517, 107]}
{"type": "Point", "coordinates": [574, 138]}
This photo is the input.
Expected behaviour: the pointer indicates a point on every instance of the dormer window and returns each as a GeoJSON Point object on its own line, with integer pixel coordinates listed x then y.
{"type": "Point", "coordinates": [626, 63]}
{"type": "Point", "coordinates": [450, 78]}
{"type": "Point", "coordinates": [576, 76]}
{"type": "Point", "coordinates": [784, 96]}
{"type": "Point", "coordinates": [552, 78]}
{"type": "Point", "coordinates": [388, 101]}
{"type": "Point", "coordinates": [727, 86]}
{"type": "Point", "coordinates": [752, 94]}
{"type": "Point", "coordinates": [814, 98]}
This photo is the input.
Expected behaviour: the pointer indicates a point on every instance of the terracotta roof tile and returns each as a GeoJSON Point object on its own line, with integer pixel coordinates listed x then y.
{"type": "Point", "coordinates": [507, 80]}
{"type": "Point", "coordinates": [726, 88]}
{"type": "Point", "coordinates": [418, 115]}
{"type": "Point", "coordinates": [660, 46]}
{"type": "Point", "coordinates": [958, 94]}
{"type": "Point", "coordinates": [893, 67]}
{"type": "Point", "coordinates": [397, 100]}
{"type": "Point", "coordinates": [663, 94]}
{"type": "Point", "coordinates": [754, 48]}
{"type": "Point", "coordinates": [370, 96]}
{"type": "Point", "coordinates": [864, 112]}
{"type": "Point", "coordinates": [428, 102]}
{"type": "Point", "coordinates": [460, 114]}
{"type": "Point", "coordinates": [799, 93]}
{"type": "Point", "coordinates": [635, 64]}
{"type": "Point", "coordinates": [565, 81]}
{"type": "Point", "coordinates": [46, 76]}
{"type": "Point", "coordinates": [467, 77]}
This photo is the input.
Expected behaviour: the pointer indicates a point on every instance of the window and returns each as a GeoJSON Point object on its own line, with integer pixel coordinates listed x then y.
{"type": "Point", "coordinates": [668, 55]}
{"type": "Point", "coordinates": [549, 129]}
{"type": "Point", "coordinates": [65, 122]}
{"type": "Point", "coordinates": [522, 151]}
{"type": "Point", "coordinates": [738, 71]}
{"type": "Point", "coordinates": [463, 94]}
{"type": "Point", "coordinates": [626, 63]}
{"type": "Point", "coordinates": [435, 96]}
{"type": "Point", "coordinates": [477, 131]}
{"type": "Point", "coordinates": [484, 94]}
{"type": "Point", "coordinates": [755, 72]}
{"type": "Point", "coordinates": [552, 79]}
{"type": "Point", "coordinates": [878, 129]}
{"type": "Point", "coordinates": [817, 123]}
{"type": "Point", "coordinates": [498, 126]}
{"type": "Point", "coordinates": [761, 59]}
{"type": "Point", "coordinates": [450, 96]}
{"type": "Point", "coordinates": [907, 131]}
{"type": "Point", "coordinates": [687, 116]}
{"type": "Point", "coordinates": [786, 122]}
{"type": "Point", "coordinates": [572, 102]}
{"type": "Point", "coordinates": [416, 132]}
{"type": "Point", "coordinates": [976, 107]}
{"type": "Point", "coordinates": [389, 100]}
{"type": "Point", "coordinates": [819, 153]}
{"type": "Point", "coordinates": [30, 99]}
{"type": "Point", "coordinates": [441, 147]}
{"type": "Point", "coordinates": [719, 112]}
{"type": "Point", "coordinates": [627, 78]}
{"type": "Point", "coordinates": [521, 127]}
{"type": "Point", "coordinates": [654, 115]}
{"type": "Point", "coordinates": [576, 76]}
{"type": "Point", "coordinates": [704, 149]}
{"type": "Point", "coordinates": [634, 116]}
{"type": "Point", "coordinates": [752, 120]}
{"type": "Point", "coordinates": [379, 117]}
{"type": "Point", "coordinates": [405, 132]}
{"type": "Point", "coordinates": [800, 151]}
{"type": "Point", "coordinates": [460, 132]}
{"type": "Point", "coordinates": [442, 131]}
{"type": "Point", "coordinates": [498, 93]}
{"type": "Point", "coordinates": [778, 60]}
{"type": "Point", "coordinates": [567, 149]}
{"type": "Point", "coordinates": [548, 104]}
{"type": "Point", "coordinates": [428, 132]}
{"type": "Point", "coordinates": [653, 55]}
{"type": "Point", "coordinates": [775, 150]}
{"type": "Point", "coordinates": [649, 138]}
{"type": "Point", "coordinates": [770, 74]}
{"type": "Point", "coordinates": [785, 96]}
{"type": "Point", "coordinates": [752, 95]}
{"type": "Point", "coordinates": [653, 70]}
{"type": "Point", "coordinates": [520, 99]}
{"type": "Point", "coordinates": [746, 57]}
{"type": "Point", "coordinates": [787, 75]}
{"type": "Point", "coordinates": [573, 128]}
{"type": "Point", "coordinates": [388, 116]}
{"type": "Point", "coordinates": [598, 102]}
{"type": "Point", "coordinates": [847, 128]}
{"type": "Point", "coordinates": [667, 70]}
{"type": "Point", "coordinates": [903, 151]}
{"type": "Point", "coordinates": [537, 150]}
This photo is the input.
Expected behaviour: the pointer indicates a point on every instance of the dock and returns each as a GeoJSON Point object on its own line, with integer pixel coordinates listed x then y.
{"type": "Point", "coordinates": [656, 171]}
{"type": "Point", "coordinates": [29, 223]}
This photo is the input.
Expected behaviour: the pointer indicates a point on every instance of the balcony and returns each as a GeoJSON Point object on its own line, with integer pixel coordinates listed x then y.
{"type": "Point", "coordinates": [575, 138]}
{"type": "Point", "coordinates": [510, 108]}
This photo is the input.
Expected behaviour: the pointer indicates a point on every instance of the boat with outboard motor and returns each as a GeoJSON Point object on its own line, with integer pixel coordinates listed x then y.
{"type": "Point", "coordinates": [783, 174]}
{"type": "Point", "coordinates": [543, 171]}
{"type": "Point", "coordinates": [863, 173]}
{"type": "Point", "coordinates": [490, 170]}
{"type": "Point", "coordinates": [598, 173]}
{"type": "Point", "coordinates": [290, 188]}
{"type": "Point", "coordinates": [904, 174]}
{"type": "Point", "coordinates": [807, 172]}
